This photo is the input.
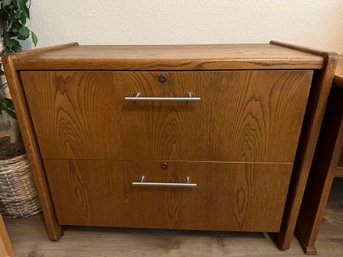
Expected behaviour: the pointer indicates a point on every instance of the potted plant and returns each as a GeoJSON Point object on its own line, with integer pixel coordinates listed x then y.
{"type": "Point", "coordinates": [18, 196]}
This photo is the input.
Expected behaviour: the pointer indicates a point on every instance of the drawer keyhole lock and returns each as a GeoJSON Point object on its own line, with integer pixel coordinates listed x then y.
{"type": "Point", "coordinates": [164, 165]}
{"type": "Point", "coordinates": [163, 78]}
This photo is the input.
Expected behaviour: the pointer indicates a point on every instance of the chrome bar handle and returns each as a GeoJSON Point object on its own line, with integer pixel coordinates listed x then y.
{"type": "Point", "coordinates": [137, 97]}
{"type": "Point", "coordinates": [162, 184]}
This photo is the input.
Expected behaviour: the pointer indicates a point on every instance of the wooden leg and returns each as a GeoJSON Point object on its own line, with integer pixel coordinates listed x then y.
{"type": "Point", "coordinates": [309, 250]}
{"type": "Point", "coordinates": [322, 173]}
{"type": "Point", "coordinates": [54, 230]}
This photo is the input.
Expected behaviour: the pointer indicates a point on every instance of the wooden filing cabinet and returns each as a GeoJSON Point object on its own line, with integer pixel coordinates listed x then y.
{"type": "Point", "coordinates": [203, 137]}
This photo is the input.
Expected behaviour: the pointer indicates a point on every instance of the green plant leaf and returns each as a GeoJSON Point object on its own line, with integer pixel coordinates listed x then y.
{"type": "Point", "coordinates": [7, 41]}
{"type": "Point", "coordinates": [16, 26]}
{"type": "Point", "coordinates": [34, 38]}
{"type": "Point", "coordinates": [11, 113]}
{"type": "Point", "coordinates": [6, 105]}
{"type": "Point", "coordinates": [13, 17]}
{"type": "Point", "coordinates": [23, 33]}
{"type": "Point", "coordinates": [8, 102]}
{"type": "Point", "coordinates": [22, 18]}
{"type": "Point", "coordinates": [11, 45]}
{"type": "Point", "coordinates": [24, 9]}
{"type": "Point", "coordinates": [6, 2]}
{"type": "Point", "coordinates": [17, 14]}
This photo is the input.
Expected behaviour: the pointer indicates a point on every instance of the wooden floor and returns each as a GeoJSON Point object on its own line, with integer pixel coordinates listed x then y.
{"type": "Point", "coordinates": [30, 240]}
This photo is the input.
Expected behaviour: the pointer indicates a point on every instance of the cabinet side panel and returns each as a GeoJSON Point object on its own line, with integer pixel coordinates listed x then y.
{"type": "Point", "coordinates": [29, 138]}
{"type": "Point", "coordinates": [319, 94]}
{"type": "Point", "coordinates": [322, 171]}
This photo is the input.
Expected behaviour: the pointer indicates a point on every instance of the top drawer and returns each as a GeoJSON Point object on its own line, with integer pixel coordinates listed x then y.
{"type": "Point", "coordinates": [242, 115]}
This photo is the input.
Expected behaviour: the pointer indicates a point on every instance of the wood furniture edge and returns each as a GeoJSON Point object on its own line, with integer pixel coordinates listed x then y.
{"type": "Point", "coordinates": [308, 249]}
{"type": "Point", "coordinates": [339, 172]}
{"type": "Point", "coordinates": [152, 64]}
{"type": "Point", "coordinates": [41, 50]}
{"type": "Point", "coordinates": [31, 146]}
{"type": "Point", "coordinates": [323, 170]}
{"type": "Point", "coordinates": [170, 65]}
{"type": "Point", "coordinates": [313, 118]}
{"type": "Point", "coordinates": [6, 249]}
{"type": "Point", "coordinates": [338, 81]}
{"type": "Point", "coordinates": [306, 50]}
{"type": "Point", "coordinates": [327, 154]}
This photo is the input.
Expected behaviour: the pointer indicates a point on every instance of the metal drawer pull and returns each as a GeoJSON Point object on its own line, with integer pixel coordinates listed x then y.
{"type": "Point", "coordinates": [162, 184]}
{"type": "Point", "coordinates": [138, 97]}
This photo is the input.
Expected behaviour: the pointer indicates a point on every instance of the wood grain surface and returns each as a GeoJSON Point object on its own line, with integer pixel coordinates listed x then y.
{"type": "Point", "coordinates": [171, 57]}
{"type": "Point", "coordinates": [322, 172]}
{"type": "Point", "coordinates": [322, 82]}
{"type": "Point", "coordinates": [338, 81]}
{"type": "Point", "coordinates": [31, 145]}
{"type": "Point", "coordinates": [242, 116]}
{"type": "Point", "coordinates": [323, 169]}
{"type": "Point", "coordinates": [339, 169]}
{"type": "Point", "coordinates": [29, 239]}
{"type": "Point", "coordinates": [38, 51]}
{"type": "Point", "coordinates": [6, 249]}
{"type": "Point", "coordinates": [234, 197]}
{"type": "Point", "coordinates": [263, 126]}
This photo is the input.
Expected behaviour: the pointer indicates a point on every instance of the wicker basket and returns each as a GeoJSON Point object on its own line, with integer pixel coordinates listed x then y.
{"type": "Point", "coordinates": [18, 195]}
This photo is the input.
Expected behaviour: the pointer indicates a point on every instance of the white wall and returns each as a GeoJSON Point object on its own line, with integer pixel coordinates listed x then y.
{"type": "Point", "coordinates": [315, 23]}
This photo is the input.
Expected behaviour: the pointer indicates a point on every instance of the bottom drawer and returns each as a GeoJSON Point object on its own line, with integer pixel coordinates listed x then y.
{"type": "Point", "coordinates": [227, 196]}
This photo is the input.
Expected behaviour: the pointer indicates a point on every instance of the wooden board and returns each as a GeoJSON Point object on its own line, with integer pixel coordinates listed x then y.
{"type": "Point", "coordinates": [6, 249]}
{"type": "Point", "coordinates": [171, 57]}
{"type": "Point", "coordinates": [322, 171]}
{"type": "Point", "coordinates": [243, 116]}
{"type": "Point", "coordinates": [339, 68]}
{"type": "Point", "coordinates": [319, 94]}
{"type": "Point", "coordinates": [234, 197]}
{"type": "Point", "coordinates": [338, 80]}
{"type": "Point", "coordinates": [339, 169]}
{"type": "Point", "coordinates": [29, 137]}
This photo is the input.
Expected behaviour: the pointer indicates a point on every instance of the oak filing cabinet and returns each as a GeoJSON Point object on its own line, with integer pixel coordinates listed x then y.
{"type": "Point", "coordinates": [199, 137]}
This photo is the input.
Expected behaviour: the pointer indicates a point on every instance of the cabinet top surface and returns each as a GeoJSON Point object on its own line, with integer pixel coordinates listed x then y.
{"type": "Point", "coordinates": [167, 57]}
